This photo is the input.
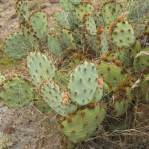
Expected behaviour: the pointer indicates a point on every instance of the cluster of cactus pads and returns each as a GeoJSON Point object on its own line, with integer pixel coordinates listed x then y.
{"type": "Point", "coordinates": [120, 71]}
{"type": "Point", "coordinates": [83, 91]}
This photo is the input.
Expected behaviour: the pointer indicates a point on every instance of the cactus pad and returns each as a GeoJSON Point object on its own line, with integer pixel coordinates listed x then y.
{"type": "Point", "coordinates": [83, 83]}
{"type": "Point", "coordinates": [57, 100]}
{"type": "Point", "coordinates": [63, 19]}
{"type": "Point", "coordinates": [111, 73]}
{"type": "Point", "coordinates": [54, 45]}
{"type": "Point", "coordinates": [40, 68]}
{"type": "Point", "coordinates": [17, 93]}
{"type": "Point", "coordinates": [83, 123]}
{"type": "Point", "coordinates": [39, 23]}
{"type": "Point", "coordinates": [16, 46]}
{"type": "Point", "coordinates": [123, 35]}
{"type": "Point", "coordinates": [90, 26]}
{"type": "Point", "coordinates": [110, 11]}
{"type": "Point", "coordinates": [141, 61]}
{"type": "Point", "coordinates": [83, 10]}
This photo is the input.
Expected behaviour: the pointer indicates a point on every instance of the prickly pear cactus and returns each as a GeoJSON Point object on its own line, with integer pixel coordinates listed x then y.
{"type": "Point", "coordinates": [22, 10]}
{"type": "Point", "coordinates": [110, 11]}
{"type": "Point", "coordinates": [91, 26]}
{"type": "Point", "coordinates": [83, 83]}
{"type": "Point", "coordinates": [40, 68]}
{"type": "Point", "coordinates": [122, 34]}
{"type": "Point", "coordinates": [82, 10]}
{"type": "Point", "coordinates": [17, 92]}
{"type": "Point", "coordinates": [82, 124]}
{"type": "Point", "coordinates": [54, 45]}
{"type": "Point", "coordinates": [39, 23]}
{"type": "Point", "coordinates": [126, 56]}
{"type": "Point", "coordinates": [141, 61]}
{"type": "Point", "coordinates": [111, 74]}
{"type": "Point", "coordinates": [63, 19]}
{"type": "Point", "coordinates": [59, 101]}
{"type": "Point", "coordinates": [16, 46]}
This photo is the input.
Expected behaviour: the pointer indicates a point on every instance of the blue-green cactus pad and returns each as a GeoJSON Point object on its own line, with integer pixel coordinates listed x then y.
{"type": "Point", "coordinates": [17, 93]}
{"type": "Point", "coordinates": [40, 67]}
{"type": "Point", "coordinates": [53, 96]}
{"type": "Point", "coordinates": [91, 26]}
{"type": "Point", "coordinates": [123, 35]}
{"type": "Point", "coordinates": [83, 83]}
{"type": "Point", "coordinates": [16, 46]}
{"type": "Point", "coordinates": [54, 45]}
{"type": "Point", "coordinates": [39, 23]}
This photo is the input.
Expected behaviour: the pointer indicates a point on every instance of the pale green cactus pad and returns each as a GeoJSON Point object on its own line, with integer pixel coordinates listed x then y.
{"type": "Point", "coordinates": [56, 99]}
{"type": "Point", "coordinates": [111, 74]}
{"type": "Point", "coordinates": [123, 35]}
{"type": "Point", "coordinates": [91, 26]}
{"type": "Point", "coordinates": [83, 83]}
{"type": "Point", "coordinates": [110, 11]}
{"type": "Point", "coordinates": [54, 45]}
{"type": "Point", "coordinates": [16, 46]}
{"type": "Point", "coordinates": [40, 68]}
{"type": "Point", "coordinates": [82, 124]}
{"type": "Point", "coordinates": [63, 19]}
{"type": "Point", "coordinates": [141, 61]}
{"type": "Point", "coordinates": [39, 23]}
{"type": "Point", "coordinates": [17, 93]}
